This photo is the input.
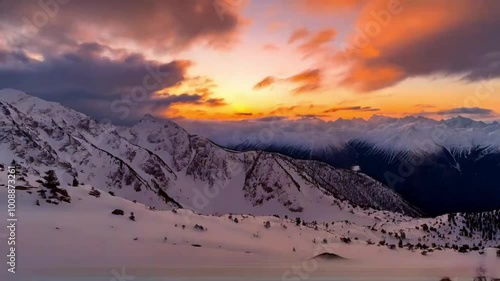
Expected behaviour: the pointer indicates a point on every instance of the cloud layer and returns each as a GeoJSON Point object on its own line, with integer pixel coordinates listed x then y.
{"type": "Point", "coordinates": [153, 24]}
{"type": "Point", "coordinates": [84, 53]}
{"type": "Point", "coordinates": [397, 39]}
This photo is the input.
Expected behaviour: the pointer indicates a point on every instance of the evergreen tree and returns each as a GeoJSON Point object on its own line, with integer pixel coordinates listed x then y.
{"type": "Point", "coordinates": [50, 180]}
{"type": "Point", "coordinates": [14, 164]}
{"type": "Point", "coordinates": [75, 181]}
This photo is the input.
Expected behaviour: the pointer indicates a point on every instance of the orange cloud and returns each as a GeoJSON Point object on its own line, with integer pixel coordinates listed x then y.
{"type": "Point", "coordinates": [266, 82]}
{"type": "Point", "coordinates": [365, 78]}
{"type": "Point", "coordinates": [327, 6]}
{"type": "Point", "coordinates": [308, 80]}
{"type": "Point", "coordinates": [312, 75]}
{"type": "Point", "coordinates": [298, 34]}
{"type": "Point", "coordinates": [317, 40]}
{"type": "Point", "coordinates": [397, 39]}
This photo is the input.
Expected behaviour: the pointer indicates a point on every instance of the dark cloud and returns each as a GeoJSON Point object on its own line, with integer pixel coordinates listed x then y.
{"type": "Point", "coordinates": [351, 108]}
{"type": "Point", "coordinates": [121, 89]}
{"type": "Point", "coordinates": [466, 111]}
{"type": "Point", "coordinates": [311, 116]}
{"type": "Point", "coordinates": [153, 24]}
{"type": "Point", "coordinates": [215, 102]}
{"type": "Point", "coordinates": [166, 101]}
{"type": "Point", "coordinates": [271, 118]}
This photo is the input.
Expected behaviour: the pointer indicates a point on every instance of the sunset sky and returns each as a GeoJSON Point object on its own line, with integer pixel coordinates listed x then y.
{"type": "Point", "coordinates": [237, 59]}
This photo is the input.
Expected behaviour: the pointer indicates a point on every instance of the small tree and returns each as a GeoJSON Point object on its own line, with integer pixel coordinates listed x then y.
{"type": "Point", "coordinates": [297, 221]}
{"type": "Point", "coordinates": [50, 180]}
{"type": "Point", "coordinates": [75, 181]}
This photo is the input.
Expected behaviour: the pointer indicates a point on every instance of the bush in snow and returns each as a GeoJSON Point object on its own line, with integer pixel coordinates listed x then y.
{"type": "Point", "coordinates": [118, 212]}
{"type": "Point", "coordinates": [95, 193]}
{"type": "Point", "coordinates": [346, 240]}
{"type": "Point", "coordinates": [200, 227]}
{"type": "Point", "coordinates": [43, 193]}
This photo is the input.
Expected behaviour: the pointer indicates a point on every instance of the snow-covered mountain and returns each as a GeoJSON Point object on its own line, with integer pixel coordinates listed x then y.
{"type": "Point", "coordinates": [159, 164]}
{"type": "Point", "coordinates": [439, 166]}
{"type": "Point", "coordinates": [385, 133]}
{"type": "Point", "coordinates": [153, 194]}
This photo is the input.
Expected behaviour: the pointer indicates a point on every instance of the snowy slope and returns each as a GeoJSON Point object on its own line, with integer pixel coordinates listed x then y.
{"type": "Point", "coordinates": [83, 238]}
{"type": "Point", "coordinates": [43, 135]}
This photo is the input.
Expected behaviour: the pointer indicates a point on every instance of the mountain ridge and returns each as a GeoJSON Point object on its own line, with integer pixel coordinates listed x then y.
{"type": "Point", "coordinates": [159, 164]}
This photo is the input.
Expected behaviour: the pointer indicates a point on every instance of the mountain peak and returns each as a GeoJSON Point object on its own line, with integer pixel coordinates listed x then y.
{"type": "Point", "coordinates": [12, 95]}
{"type": "Point", "coordinates": [148, 118]}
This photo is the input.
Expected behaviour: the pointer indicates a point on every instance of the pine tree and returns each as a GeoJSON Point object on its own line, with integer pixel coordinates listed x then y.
{"type": "Point", "coordinates": [75, 181]}
{"type": "Point", "coordinates": [50, 180]}
{"type": "Point", "coordinates": [14, 164]}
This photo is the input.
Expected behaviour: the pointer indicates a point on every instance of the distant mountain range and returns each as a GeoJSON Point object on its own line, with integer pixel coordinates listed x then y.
{"type": "Point", "coordinates": [439, 166]}
{"type": "Point", "coordinates": [157, 163]}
